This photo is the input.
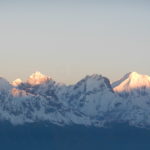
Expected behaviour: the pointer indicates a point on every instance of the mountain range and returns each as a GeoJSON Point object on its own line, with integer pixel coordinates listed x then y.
{"type": "Point", "coordinates": [93, 101]}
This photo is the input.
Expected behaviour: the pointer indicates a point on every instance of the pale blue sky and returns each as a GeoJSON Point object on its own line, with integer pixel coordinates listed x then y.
{"type": "Point", "coordinates": [70, 39]}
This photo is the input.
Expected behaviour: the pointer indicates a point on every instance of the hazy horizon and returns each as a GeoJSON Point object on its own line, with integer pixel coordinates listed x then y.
{"type": "Point", "coordinates": [69, 40]}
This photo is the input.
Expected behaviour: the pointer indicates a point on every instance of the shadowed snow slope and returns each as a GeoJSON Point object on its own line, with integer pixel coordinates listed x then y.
{"type": "Point", "coordinates": [4, 85]}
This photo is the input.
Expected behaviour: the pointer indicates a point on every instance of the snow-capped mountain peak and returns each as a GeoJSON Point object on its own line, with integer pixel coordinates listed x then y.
{"type": "Point", "coordinates": [37, 78]}
{"type": "Point", "coordinates": [97, 82]}
{"type": "Point", "coordinates": [131, 81]}
{"type": "Point", "coordinates": [16, 82]}
{"type": "Point", "coordinates": [91, 101]}
{"type": "Point", "coordinates": [93, 83]}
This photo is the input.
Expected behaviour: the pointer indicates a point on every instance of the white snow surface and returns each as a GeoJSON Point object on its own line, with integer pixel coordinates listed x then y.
{"type": "Point", "coordinates": [132, 81]}
{"type": "Point", "coordinates": [37, 78]}
{"type": "Point", "coordinates": [16, 82]}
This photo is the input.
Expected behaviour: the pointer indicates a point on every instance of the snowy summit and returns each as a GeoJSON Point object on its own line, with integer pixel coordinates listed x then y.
{"type": "Point", "coordinates": [131, 81]}
{"type": "Point", "coordinates": [37, 78]}
{"type": "Point", "coordinates": [17, 82]}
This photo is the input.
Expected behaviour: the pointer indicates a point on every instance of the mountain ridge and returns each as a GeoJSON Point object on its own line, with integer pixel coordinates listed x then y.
{"type": "Point", "coordinates": [92, 101]}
